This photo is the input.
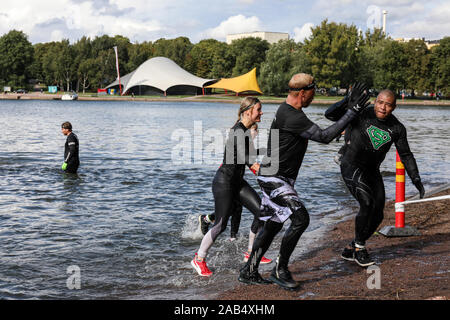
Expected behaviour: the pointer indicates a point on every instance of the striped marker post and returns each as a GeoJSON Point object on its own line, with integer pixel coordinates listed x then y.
{"type": "Point", "coordinates": [399, 193]}
{"type": "Point", "coordinates": [399, 230]}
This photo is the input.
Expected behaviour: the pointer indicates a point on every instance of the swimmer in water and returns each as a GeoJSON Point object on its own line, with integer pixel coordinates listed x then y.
{"type": "Point", "coordinates": [71, 149]}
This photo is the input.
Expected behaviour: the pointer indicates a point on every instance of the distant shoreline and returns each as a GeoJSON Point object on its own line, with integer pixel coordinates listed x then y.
{"type": "Point", "coordinates": [199, 98]}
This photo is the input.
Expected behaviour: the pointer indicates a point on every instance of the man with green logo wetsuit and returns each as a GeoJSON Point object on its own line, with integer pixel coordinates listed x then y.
{"type": "Point", "coordinates": [367, 140]}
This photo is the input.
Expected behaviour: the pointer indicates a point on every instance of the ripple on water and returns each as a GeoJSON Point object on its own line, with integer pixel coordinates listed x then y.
{"type": "Point", "coordinates": [128, 220]}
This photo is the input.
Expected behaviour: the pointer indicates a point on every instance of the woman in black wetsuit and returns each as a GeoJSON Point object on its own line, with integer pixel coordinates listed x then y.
{"type": "Point", "coordinates": [229, 185]}
{"type": "Point", "coordinates": [235, 218]}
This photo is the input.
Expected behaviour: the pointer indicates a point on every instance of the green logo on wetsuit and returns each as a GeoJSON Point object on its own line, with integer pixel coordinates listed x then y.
{"type": "Point", "coordinates": [378, 137]}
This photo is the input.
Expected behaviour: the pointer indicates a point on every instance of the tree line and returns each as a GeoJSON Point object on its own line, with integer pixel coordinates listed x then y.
{"type": "Point", "coordinates": [336, 54]}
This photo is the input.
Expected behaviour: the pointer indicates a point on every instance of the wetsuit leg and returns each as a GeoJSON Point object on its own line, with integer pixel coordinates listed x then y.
{"type": "Point", "coordinates": [368, 189]}
{"type": "Point", "coordinates": [71, 168]}
{"type": "Point", "coordinates": [299, 223]}
{"type": "Point", "coordinates": [235, 218]}
{"type": "Point", "coordinates": [250, 199]}
{"type": "Point", "coordinates": [377, 213]}
{"type": "Point", "coordinates": [224, 196]}
{"type": "Point", "coordinates": [262, 243]}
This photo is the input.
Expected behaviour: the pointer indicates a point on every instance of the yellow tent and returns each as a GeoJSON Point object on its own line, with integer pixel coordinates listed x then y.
{"type": "Point", "coordinates": [246, 82]}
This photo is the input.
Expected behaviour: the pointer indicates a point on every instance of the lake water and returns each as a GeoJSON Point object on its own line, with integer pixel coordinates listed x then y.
{"type": "Point", "coordinates": [128, 221]}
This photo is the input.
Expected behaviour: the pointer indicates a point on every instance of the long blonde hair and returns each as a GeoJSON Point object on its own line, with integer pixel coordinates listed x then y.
{"type": "Point", "coordinates": [246, 104]}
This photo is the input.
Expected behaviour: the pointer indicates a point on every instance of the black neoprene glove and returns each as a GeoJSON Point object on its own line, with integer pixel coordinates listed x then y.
{"type": "Point", "coordinates": [418, 183]}
{"type": "Point", "coordinates": [358, 98]}
{"type": "Point", "coordinates": [360, 104]}
{"type": "Point", "coordinates": [358, 88]}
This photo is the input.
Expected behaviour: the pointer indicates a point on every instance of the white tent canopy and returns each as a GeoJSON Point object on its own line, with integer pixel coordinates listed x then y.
{"type": "Point", "coordinates": [161, 73]}
{"type": "Point", "coordinates": [123, 81]}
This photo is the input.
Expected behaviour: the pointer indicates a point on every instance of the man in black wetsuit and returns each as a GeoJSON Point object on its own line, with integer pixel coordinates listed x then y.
{"type": "Point", "coordinates": [71, 149]}
{"type": "Point", "coordinates": [367, 140]}
{"type": "Point", "coordinates": [280, 200]}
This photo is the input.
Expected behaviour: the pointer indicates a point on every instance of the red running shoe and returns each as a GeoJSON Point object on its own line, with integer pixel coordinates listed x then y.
{"type": "Point", "coordinates": [200, 267]}
{"type": "Point", "coordinates": [264, 260]}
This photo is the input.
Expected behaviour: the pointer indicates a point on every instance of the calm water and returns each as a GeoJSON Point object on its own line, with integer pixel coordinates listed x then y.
{"type": "Point", "coordinates": [128, 221]}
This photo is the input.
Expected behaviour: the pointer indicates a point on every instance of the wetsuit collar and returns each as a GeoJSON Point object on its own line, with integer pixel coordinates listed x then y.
{"type": "Point", "coordinates": [243, 126]}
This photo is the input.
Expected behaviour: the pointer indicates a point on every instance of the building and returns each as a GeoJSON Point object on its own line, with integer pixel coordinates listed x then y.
{"type": "Point", "coordinates": [429, 43]}
{"type": "Point", "coordinates": [271, 37]}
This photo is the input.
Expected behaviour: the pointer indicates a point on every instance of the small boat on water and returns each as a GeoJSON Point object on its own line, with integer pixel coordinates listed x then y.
{"type": "Point", "coordinates": [69, 96]}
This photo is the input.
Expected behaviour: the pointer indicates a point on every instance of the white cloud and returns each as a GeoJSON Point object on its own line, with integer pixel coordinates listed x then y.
{"type": "Point", "coordinates": [432, 24]}
{"type": "Point", "coordinates": [234, 24]}
{"type": "Point", "coordinates": [141, 20]}
{"type": "Point", "coordinates": [300, 34]}
{"type": "Point", "coordinates": [70, 19]}
{"type": "Point", "coordinates": [56, 35]}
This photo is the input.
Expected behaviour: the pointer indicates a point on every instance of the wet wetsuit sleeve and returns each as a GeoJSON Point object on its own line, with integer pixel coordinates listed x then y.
{"type": "Point", "coordinates": [327, 135]}
{"type": "Point", "coordinates": [337, 110]}
{"type": "Point", "coordinates": [251, 152]}
{"type": "Point", "coordinates": [406, 155]}
{"type": "Point", "coordinates": [72, 148]}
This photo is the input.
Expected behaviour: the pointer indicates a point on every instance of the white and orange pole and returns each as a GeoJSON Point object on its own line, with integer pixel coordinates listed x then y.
{"type": "Point", "coordinates": [400, 229]}
{"type": "Point", "coordinates": [399, 193]}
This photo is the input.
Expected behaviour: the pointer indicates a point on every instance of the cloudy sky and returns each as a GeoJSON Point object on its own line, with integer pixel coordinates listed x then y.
{"type": "Point", "coordinates": [149, 20]}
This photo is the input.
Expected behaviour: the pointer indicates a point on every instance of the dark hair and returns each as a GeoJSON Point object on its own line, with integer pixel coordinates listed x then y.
{"type": "Point", "coordinates": [67, 125]}
{"type": "Point", "coordinates": [389, 93]}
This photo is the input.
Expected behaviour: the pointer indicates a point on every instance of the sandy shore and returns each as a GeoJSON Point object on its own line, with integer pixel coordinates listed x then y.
{"type": "Point", "coordinates": [199, 98]}
{"type": "Point", "coordinates": [411, 268]}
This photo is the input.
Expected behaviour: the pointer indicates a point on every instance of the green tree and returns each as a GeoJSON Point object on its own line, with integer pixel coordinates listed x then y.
{"type": "Point", "coordinates": [138, 54]}
{"type": "Point", "coordinates": [16, 58]}
{"type": "Point", "coordinates": [86, 72]}
{"type": "Point", "coordinates": [123, 45]}
{"type": "Point", "coordinates": [368, 56]}
{"type": "Point", "coordinates": [393, 64]}
{"type": "Point", "coordinates": [105, 70]}
{"type": "Point", "coordinates": [36, 71]}
{"type": "Point", "coordinates": [222, 61]}
{"type": "Point", "coordinates": [83, 52]}
{"type": "Point", "coordinates": [440, 56]}
{"type": "Point", "coordinates": [209, 59]}
{"type": "Point", "coordinates": [65, 67]}
{"type": "Point", "coordinates": [248, 53]}
{"type": "Point", "coordinates": [283, 59]}
{"type": "Point", "coordinates": [332, 49]}
{"type": "Point", "coordinates": [418, 70]}
{"type": "Point", "coordinates": [174, 49]}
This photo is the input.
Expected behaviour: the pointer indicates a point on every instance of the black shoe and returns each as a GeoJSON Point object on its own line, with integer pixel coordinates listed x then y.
{"type": "Point", "coordinates": [254, 277]}
{"type": "Point", "coordinates": [349, 254]}
{"type": "Point", "coordinates": [362, 258]}
{"type": "Point", "coordinates": [282, 277]}
{"type": "Point", "coordinates": [204, 225]}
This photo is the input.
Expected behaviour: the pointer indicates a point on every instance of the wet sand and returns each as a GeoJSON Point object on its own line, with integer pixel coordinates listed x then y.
{"type": "Point", "coordinates": [411, 268]}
